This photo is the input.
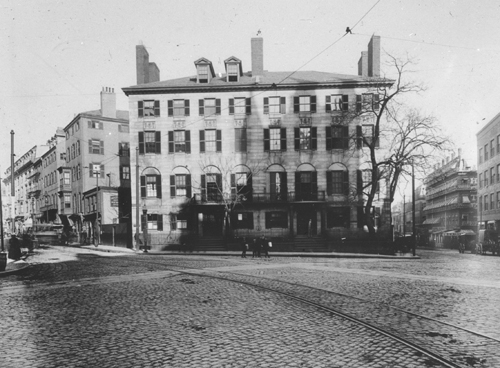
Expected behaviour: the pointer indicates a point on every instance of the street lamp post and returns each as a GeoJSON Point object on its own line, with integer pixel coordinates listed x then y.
{"type": "Point", "coordinates": [97, 227]}
{"type": "Point", "coordinates": [145, 231]}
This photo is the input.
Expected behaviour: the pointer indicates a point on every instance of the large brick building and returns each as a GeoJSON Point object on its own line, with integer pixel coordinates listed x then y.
{"type": "Point", "coordinates": [251, 153]}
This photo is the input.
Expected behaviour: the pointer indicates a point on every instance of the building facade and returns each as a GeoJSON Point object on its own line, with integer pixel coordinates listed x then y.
{"type": "Point", "coordinates": [94, 184]}
{"type": "Point", "coordinates": [451, 201]}
{"type": "Point", "coordinates": [250, 153]}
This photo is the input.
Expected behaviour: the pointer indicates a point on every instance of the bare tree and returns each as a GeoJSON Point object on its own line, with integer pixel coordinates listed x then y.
{"type": "Point", "coordinates": [401, 136]}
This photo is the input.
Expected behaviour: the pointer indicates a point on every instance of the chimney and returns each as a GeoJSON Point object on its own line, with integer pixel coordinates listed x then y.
{"type": "Point", "coordinates": [257, 56]}
{"type": "Point", "coordinates": [142, 64]}
{"type": "Point", "coordinates": [154, 72]}
{"type": "Point", "coordinates": [374, 57]}
{"type": "Point", "coordinates": [108, 102]}
{"type": "Point", "coordinates": [363, 64]}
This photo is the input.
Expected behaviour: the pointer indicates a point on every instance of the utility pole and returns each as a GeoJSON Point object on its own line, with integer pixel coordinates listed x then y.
{"type": "Point", "coordinates": [12, 191]}
{"type": "Point", "coordinates": [97, 227]}
{"type": "Point", "coordinates": [1, 216]}
{"type": "Point", "coordinates": [137, 193]}
{"type": "Point", "coordinates": [413, 208]}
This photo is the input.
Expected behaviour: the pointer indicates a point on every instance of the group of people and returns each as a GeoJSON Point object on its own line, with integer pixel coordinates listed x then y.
{"type": "Point", "coordinates": [258, 246]}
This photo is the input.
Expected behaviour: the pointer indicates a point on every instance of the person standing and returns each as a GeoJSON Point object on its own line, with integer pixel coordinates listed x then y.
{"type": "Point", "coordinates": [255, 248]}
{"type": "Point", "coordinates": [265, 246]}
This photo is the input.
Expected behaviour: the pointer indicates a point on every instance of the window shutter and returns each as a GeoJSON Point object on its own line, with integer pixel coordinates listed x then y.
{"type": "Point", "coordinates": [329, 188]}
{"type": "Point", "coordinates": [328, 134]}
{"type": "Point", "coordinates": [158, 142]}
{"type": "Point", "coordinates": [283, 105]}
{"type": "Point", "coordinates": [218, 181]}
{"type": "Point", "coordinates": [268, 220]}
{"type": "Point", "coordinates": [283, 139]}
{"type": "Point", "coordinates": [284, 185]}
{"type": "Point", "coordinates": [231, 106]}
{"type": "Point", "coordinates": [141, 142]}
{"type": "Point", "coordinates": [101, 171]}
{"type": "Point", "coordinates": [296, 139]}
{"type": "Point", "coordinates": [172, 186]}
{"type": "Point", "coordinates": [159, 223]}
{"type": "Point", "coordinates": [158, 186]}
{"type": "Point", "coordinates": [217, 106]}
{"type": "Point", "coordinates": [170, 108]}
{"type": "Point", "coordinates": [203, 188]}
{"type": "Point", "coordinates": [359, 180]}
{"type": "Point", "coordinates": [266, 105]}
{"type": "Point", "coordinates": [328, 101]}
{"type": "Point", "coordinates": [157, 107]}
{"type": "Point", "coordinates": [89, 125]}
{"type": "Point", "coordinates": [90, 150]}
{"type": "Point", "coordinates": [267, 143]}
{"type": "Point", "coordinates": [140, 110]}
{"type": "Point", "coordinates": [248, 106]}
{"type": "Point", "coordinates": [186, 107]}
{"type": "Point", "coordinates": [143, 186]}
{"type": "Point", "coordinates": [187, 138]}
{"type": "Point", "coordinates": [170, 142]}
{"type": "Point", "coordinates": [358, 103]}
{"type": "Point", "coordinates": [314, 138]}
{"type": "Point", "coordinates": [359, 137]}
{"type": "Point", "coordinates": [314, 183]}
{"type": "Point", "coordinates": [120, 150]}
{"type": "Point", "coordinates": [101, 143]}
{"type": "Point", "coordinates": [233, 186]}
{"type": "Point", "coordinates": [201, 109]}
{"type": "Point", "coordinates": [313, 103]}
{"type": "Point", "coordinates": [188, 186]}
{"type": "Point", "coordinates": [297, 186]}
{"type": "Point", "coordinates": [346, 183]}
{"type": "Point", "coordinates": [202, 141]}
{"type": "Point", "coordinates": [345, 135]}
{"type": "Point", "coordinates": [272, 178]}
{"type": "Point", "coordinates": [345, 102]}
{"type": "Point", "coordinates": [218, 143]}
{"type": "Point", "coordinates": [360, 216]}
{"type": "Point", "coordinates": [376, 103]}
{"type": "Point", "coordinates": [296, 104]}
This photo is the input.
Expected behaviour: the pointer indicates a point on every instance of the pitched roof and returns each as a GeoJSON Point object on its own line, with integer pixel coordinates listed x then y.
{"type": "Point", "coordinates": [120, 114]}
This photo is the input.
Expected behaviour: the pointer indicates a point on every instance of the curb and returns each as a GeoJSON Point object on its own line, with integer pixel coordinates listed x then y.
{"type": "Point", "coordinates": [15, 270]}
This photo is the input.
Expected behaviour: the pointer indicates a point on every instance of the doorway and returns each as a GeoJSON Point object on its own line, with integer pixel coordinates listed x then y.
{"type": "Point", "coordinates": [306, 222]}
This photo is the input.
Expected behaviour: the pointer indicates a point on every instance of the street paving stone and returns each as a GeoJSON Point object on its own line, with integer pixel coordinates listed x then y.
{"type": "Point", "coordinates": [75, 309]}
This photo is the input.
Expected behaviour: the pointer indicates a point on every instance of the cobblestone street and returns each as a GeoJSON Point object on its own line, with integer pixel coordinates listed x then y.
{"type": "Point", "coordinates": [81, 308]}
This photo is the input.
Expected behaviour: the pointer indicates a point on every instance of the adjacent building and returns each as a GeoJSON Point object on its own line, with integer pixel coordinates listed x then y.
{"type": "Point", "coordinates": [251, 153]}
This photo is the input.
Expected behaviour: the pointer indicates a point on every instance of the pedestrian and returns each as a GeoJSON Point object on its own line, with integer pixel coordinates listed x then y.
{"type": "Point", "coordinates": [14, 248]}
{"type": "Point", "coordinates": [265, 246]}
{"type": "Point", "coordinates": [255, 248]}
{"type": "Point", "coordinates": [244, 247]}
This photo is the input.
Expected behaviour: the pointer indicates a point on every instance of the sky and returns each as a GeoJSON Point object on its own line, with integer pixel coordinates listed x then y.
{"type": "Point", "coordinates": [58, 55]}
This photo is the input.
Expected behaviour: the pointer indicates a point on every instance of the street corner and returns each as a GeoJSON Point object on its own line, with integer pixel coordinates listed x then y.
{"type": "Point", "coordinates": [14, 267]}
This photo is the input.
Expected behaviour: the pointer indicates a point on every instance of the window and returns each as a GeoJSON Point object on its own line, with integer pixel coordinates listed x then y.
{"type": "Point", "coordinates": [485, 152]}
{"type": "Point", "coordinates": [486, 178]}
{"type": "Point", "coordinates": [275, 139]}
{"type": "Point", "coordinates": [148, 108]}
{"type": "Point", "coordinates": [241, 186]}
{"type": "Point", "coordinates": [243, 220]}
{"type": "Point", "coordinates": [211, 187]}
{"type": "Point", "coordinates": [240, 106]}
{"type": "Point", "coordinates": [274, 105]}
{"type": "Point", "coordinates": [498, 199]}
{"type": "Point", "coordinates": [202, 73]}
{"type": "Point", "coordinates": [365, 135]}
{"type": "Point", "coordinates": [151, 186]}
{"type": "Point", "coordinates": [480, 180]}
{"type": "Point", "coordinates": [78, 172]}
{"type": "Point", "coordinates": [486, 202]}
{"type": "Point", "coordinates": [498, 144]}
{"type": "Point", "coordinates": [123, 128]}
{"type": "Point", "coordinates": [96, 170]}
{"type": "Point", "coordinates": [67, 135]}
{"type": "Point", "coordinates": [240, 140]}
{"type": "Point", "coordinates": [367, 102]}
{"type": "Point", "coordinates": [78, 148]}
{"type": "Point", "coordinates": [306, 188]}
{"type": "Point", "coordinates": [480, 155]}
{"type": "Point", "coordinates": [306, 138]}
{"type": "Point", "coordinates": [73, 151]}
{"type": "Point", "coordinates": [149, 142]}
{"type": "Point", "coordinates": [337, 103]}
{"type": "Point", "coordinates": [278, 186]}
{"type": "Point", "coordinates": [492, 148]}
{"type": "Point", "coordinates": [96, 146]}
{"type": "Point", "coordinates": [232, 72]}
{"type": "Point", "coordinates": [278, 219]}
{"type": "Point", "coordinates": [338, 217]}
{"type": "Point", "coordinates": [337, 182]}
{"type": "Point", "coordinates": [178, 108]}
{"type": "Point", "coordinates": [67, 200]}
{"type": "Point", "coordinates": [77, 126]}
{"type": "Point", "coordinates": [179, 141]}
{"type": "Point", "coordinates": [492, 201]}
{"type": "Point", "coordinates": [153, 221]}
{"type": "Point", "coordinates": [68, 155]}
{"type": "Point", "coordinates": [178, 222]}
{"type": "Point", "coordinates": [95, 124]}
{"type": "Point", "coordinates": [492, 175]}
{"type": "Point", "coordinates": [123, 149]}
{"type": "Point", "coordinates": [66, 178]}
{"type": "Point", "coordinates": [210, 140]}
{"type": "Point", "coordinates": [337, 137]}
{"type": "Point", "coordinates": [180, 185]}
{"type": "Point", "coordinates": [304, 104]}
{"type": "Point", "coordinates": [125, 172]}
{"type": "Point", "coordinates": [209, 107]}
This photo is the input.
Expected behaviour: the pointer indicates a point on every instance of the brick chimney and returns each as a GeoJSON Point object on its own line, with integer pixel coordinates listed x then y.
{"type": "Point", "coordinates": [363, 64]}
{"type": "Point", "coordinates": [374, 57]}
{"type": "Point", "coordinates": [257, 57]}
{"type": "Point", "coordinates": [108, 102]}
{"type": "Point", "coordinates": [146, 72]}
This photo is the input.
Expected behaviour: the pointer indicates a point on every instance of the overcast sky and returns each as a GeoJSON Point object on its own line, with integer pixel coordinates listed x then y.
{"type": "Point", "coordinates": [57, 55]}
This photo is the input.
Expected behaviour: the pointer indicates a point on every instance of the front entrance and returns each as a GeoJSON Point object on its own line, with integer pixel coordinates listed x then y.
{"type": "Point", "coordinates": [212, 224]}
{"type": "Point", "coordinates": [306, 222]}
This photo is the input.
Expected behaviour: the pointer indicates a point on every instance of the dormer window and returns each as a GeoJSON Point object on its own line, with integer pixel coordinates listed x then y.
{"type": "Point", "coordinates": [232, 73]}
{"type": "Point", "coordinates": [234, 69]}
{"type": "Point", "coordinates": [205, 70]}
{"type": "Point", "coordinates": [202, 73]}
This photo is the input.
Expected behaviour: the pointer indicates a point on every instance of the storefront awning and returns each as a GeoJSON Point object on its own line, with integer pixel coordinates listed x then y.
{"type": "Point", "coordinates": [432, 221]}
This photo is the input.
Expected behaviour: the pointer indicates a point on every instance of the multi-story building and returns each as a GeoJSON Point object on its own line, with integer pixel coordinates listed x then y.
{"type": "Point", "coordinates": [488, 143]}
{"type": "Point", "coordinates": [250, 153]}
{"type": "Point", "coordinates": [402, 212]}
{"type": "Point", "coordinates": [94, 186]}
{"type": "Point", "coordinates": [451, 200]}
